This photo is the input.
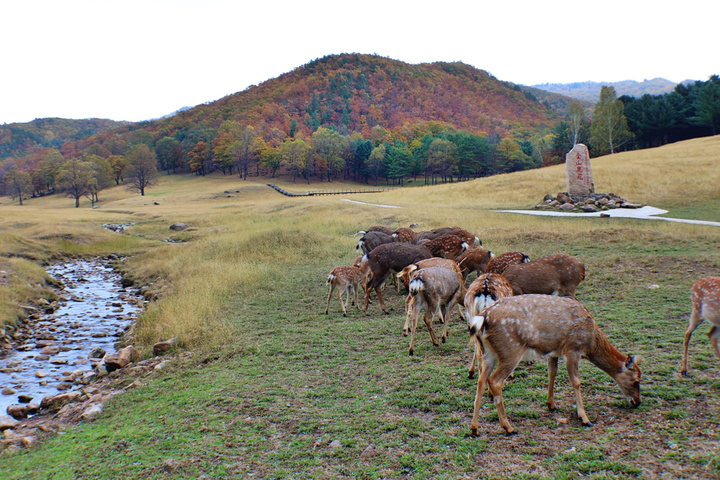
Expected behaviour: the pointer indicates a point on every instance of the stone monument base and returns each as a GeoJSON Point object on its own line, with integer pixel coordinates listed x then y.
{"type": "Point", "coordinates": [592, 202]}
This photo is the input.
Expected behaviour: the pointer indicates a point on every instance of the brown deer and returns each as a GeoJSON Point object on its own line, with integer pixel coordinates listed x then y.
{"type": "Point", "coordinates": [406, 275]}
{"type": "Point", "coordinates": [431, 234]}
{"type": "Point", "coordinates": [475, 260]}
{"type": "Point", "coordinates": [387, 258]}
{"type": "Point", "coordinates": [705, 295]}
{"type": "Point", "coordinates": [487, 289]}
{"type": "Point", "coordinates": [372, 239]}
{"type": "Point", "coordinates": [403, 234]}
{"type": "Point", "coordinates": [550, 327]}
{"type": "Point", "coordinates": [433, 289]}
{"type": "Point", "coordinates": [557, 274]}
{"type": "Point", "coordinates": [346, 279]}
{"type": "Point", "coordinates": [446, 246]}
{"type": "Point", "coordinates": [472, 240]}
{"type": "Point", "coordinates": [500, 263]}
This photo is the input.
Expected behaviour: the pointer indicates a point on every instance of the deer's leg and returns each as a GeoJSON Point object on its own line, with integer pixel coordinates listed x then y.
{"type": "Point", "coordinates": [355, 296]}
{"type": "Point", "coordinates": [342, 304]}
{"type": "Point", "coordinates": [332, 287]}
{"type": "Point", "coordinates": [695, 321]}
{"type": "Point", "coordinates": [495, 384]}
{"type": "Point", "coordinates": [409, 305]}
{"type": "Point", "coordinates": [380, 298]}
{"type": "Point", "coordinates": [413, 326]}
{"type": "Point", "coordinates": [552, 373]}
{"type": "Point", "coordinates": [487, 363]}
{"type": "Point", "coordinates": [713, 336]}
{"type": "Point", "coordinates": [573, 369]}
{"type": "Point", "coordinates": [429, 313]}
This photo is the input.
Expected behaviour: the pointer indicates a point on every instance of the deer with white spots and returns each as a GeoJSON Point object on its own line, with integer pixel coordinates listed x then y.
{"type": "Point", "coordinates": [546, 326]}
{"type": "Point", "coordinates": [434, 289]}
{"type": "Point", "coordinates": [446, 246]}
{"type": "Point", "coordinates": [705, 295]}
{"type": "Point", "coordinates": [408, 272]}
{"type": "Point", "coordinates": [487, 289]}
{"type": "Point", "coordinates": [346, 279]}
{"type": "Point", "coordinates": [500, 263]}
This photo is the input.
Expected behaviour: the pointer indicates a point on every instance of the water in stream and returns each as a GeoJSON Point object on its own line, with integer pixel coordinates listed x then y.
{"type": "Point", "coordinates": [94, 311]}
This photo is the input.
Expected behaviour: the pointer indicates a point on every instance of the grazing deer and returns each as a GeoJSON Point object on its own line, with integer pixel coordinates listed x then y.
{"type": "Point", "coordinates": [475, 260]}
{"type": "Point", "coordinates": [376, 228]}
{"type": "Point", "coordinates": [551, 327]}
{"type": "Point", "coordinates": [557, 274]}
{"type": "Point", "coordinates": [345, 279]}
{"type": "Point", "coordinates": [403, 234]}
{"type": "Point", "coordinates": [387, 258]}
{"type": "Point", "coordinates": [446, 246]}
{"type": "Point", "coordinates": [431, 234]}
{"type": "Point", "coordinates": [487, 289]}
{"type": "Point", "coordinates": [434, 288]}
{"type": "Point", "coordinates": [472, 240]}
{"type": "Point", "coordinates": [500, 263]}
{"type": "Point", "coordinates": [406, 274]}
{"type": "Point", "coordinates": [705, 295]}
{"type": "Point", "coordinates": [372, 239]}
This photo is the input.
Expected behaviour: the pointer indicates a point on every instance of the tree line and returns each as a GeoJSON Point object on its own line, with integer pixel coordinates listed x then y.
{"type": "Point", "coordinates": [629, 123]}
{"type": "Point", "coordinates": [426, 152]}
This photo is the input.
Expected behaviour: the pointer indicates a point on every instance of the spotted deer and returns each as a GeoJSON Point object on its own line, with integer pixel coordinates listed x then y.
{"type": "Point", "coordinates": [346, 279]}
{"type": "Point", "coordinates": [705, 296]}
{"type": "Point", "coordinates": [435, 289]}
{"type": "Point", "coordinates": [406, 275]}
{"type": "Point", "coordinates": [487, 289]}
{"type": "Point", "coordinates": [403, 234]}
{"type": "Point", "coordinates": [500, 263]}
{"type": "Point", "coordinates": [387, 258]}
{"type": "Point", "coordinates": [446, 246]}
{"type": "Point", "coordinates": [547, 326]}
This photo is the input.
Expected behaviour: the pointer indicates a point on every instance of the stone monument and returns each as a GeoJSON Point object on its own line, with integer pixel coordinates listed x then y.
{"type": "Point", "coordinates": [578, 173]}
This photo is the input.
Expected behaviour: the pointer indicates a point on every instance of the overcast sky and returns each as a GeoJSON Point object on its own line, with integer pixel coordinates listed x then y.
{"type": "Point", "coordinates": [141, 59]}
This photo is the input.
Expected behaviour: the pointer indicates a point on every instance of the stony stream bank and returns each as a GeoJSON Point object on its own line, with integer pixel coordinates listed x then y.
{"type": "Point", "coordinates": [65, 350]}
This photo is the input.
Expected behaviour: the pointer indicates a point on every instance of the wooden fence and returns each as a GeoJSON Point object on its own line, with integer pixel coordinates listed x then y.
{"type": "Point", "coordinates": [331, 192]}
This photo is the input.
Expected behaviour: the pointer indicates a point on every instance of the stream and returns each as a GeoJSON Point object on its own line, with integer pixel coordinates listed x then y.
{"type": "Point", "coordinates": [94, 311]}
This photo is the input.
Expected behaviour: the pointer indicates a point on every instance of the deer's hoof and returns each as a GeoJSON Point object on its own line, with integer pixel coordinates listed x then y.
{"type": "Point", "coordinates": [588, 424]}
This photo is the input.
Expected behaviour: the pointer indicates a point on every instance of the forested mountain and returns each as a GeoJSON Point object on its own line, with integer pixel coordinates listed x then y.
{"type": "Point", "coordinates": [354, 93]}
{"type": "Point", "coordinates": [19, 139]}
{"type": "Point", "coordinates": [354, 117]}
{"type": "Point", "coordinates": [590, 91]}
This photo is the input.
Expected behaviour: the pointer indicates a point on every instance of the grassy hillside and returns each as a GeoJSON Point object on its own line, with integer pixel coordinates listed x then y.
{"type": "Point", "coordinates": [273, 388]}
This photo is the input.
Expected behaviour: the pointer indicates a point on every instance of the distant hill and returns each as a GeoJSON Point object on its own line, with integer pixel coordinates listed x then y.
{"type": "Point", "coordinates": [557, 102]}
{"type": "Point", "coordinates": [590, 91]}
{"type": "Point", "coordinates": [354, 92]}
{"type": "Point", "coordinates": [19, 139]}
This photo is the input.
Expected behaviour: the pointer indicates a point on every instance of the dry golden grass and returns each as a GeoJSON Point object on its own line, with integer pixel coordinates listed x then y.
{"type": "Point", "coordinates": [242, 233]}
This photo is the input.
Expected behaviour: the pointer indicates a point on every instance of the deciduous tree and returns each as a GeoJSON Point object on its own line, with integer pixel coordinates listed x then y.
{"type": "Point", "coordinates": [76, 178]}
{"type": "Point", "coordinates": [142, 169]}
{"type": "Point", "coordinates": [609, 129]}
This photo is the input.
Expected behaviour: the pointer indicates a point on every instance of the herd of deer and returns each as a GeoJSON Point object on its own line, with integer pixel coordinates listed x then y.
{"type": "Point", "coordinates": [516, 309]}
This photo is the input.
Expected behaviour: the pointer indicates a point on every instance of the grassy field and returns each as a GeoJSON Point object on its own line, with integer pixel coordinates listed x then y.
{"type": "Point", "coordinates": [273, 388]}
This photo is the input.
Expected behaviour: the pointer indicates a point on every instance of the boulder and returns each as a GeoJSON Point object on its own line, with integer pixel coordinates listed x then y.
{"type": "Point", "coordinates": [162, 347]}
{"type": "Point", "coordinates": [97, 352]}
{"type": "Point", "coordinates": [91, 412]}
{"type": "Point", "coordinates": [7, 422]}
{"type": "Point", "coordinates": [178, 226]}
{"type": "Point", "coordinates": [119, 359]}
{"type": "Point", "coordinates": [18, 412]}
